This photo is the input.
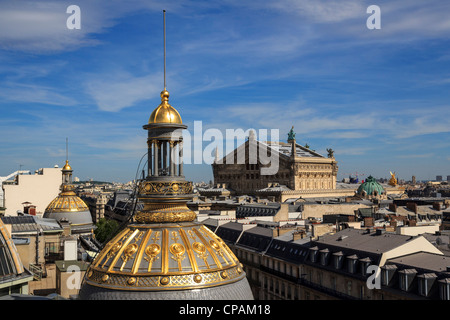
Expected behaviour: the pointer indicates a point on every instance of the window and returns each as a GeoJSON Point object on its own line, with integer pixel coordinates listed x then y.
{"type": "Point", "coordinates": [351, 263]}
{"type": "Point", "coordinates": [444, 289]}
{"type": "Point", "coordinates": [365, 263]}
{"type": "Point", "coordinates": [319, 278]}
{"type": "Point", "coordinates": [333, 283]}
{"type": "Point", "coordinates": [387, 273]}
{"type": "Point", "coordinates": [338, 258]}
{"type": "Point", "coordinates": [349, 288]}
{"type": "Point", "coordinates": [426, 281]}
{"type": "Point", "coordinates": [324, 254]}
{"type": "Point", "coordinates": [406, 278]}
{"type": "Point", "coordinates": [313, 254]}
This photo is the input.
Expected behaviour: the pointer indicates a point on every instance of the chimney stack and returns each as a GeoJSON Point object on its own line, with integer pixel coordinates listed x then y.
{"type": "Point", "coordinates": [412, 206]}
{"type": "Point", "coordinates": [393, 207]}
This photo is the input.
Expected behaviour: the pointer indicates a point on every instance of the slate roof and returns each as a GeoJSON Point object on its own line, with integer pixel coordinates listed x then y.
{"type": "Point", "coordinates": [428, 262]}
{"type": "Point", "coordinates": [361, 240]}
{"type": "Point", "coordinates": [31, 224]}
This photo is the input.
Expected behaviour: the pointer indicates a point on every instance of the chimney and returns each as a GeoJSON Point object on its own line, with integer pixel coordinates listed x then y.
{"type": "Point", "coordinates": [368, 222]}
{"type": "Point", "coordinates": [394, 224]}
{"type": "Point", "coordinates": [412, 223]}
{"type": "Point", "coordinates": [393, 207]}
{"type": "Point", "coordinates": [437, 206]}
{"type": "Point", "coordinates": [412, 206]}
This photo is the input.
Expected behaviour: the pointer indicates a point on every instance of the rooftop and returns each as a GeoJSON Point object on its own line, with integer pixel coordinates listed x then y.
{"type": "Point", "coordinates": [425, 261]}
{"type": "Point", "coordinates": [362, 240]}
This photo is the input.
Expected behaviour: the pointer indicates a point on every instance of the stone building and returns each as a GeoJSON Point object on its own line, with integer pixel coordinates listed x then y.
{"type": "Point", "coordinates": [295, 167]}
{"type": "Point", "coordinates": [335, 266]}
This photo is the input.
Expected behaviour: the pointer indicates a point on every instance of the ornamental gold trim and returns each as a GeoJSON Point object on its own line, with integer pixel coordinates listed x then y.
{"type": "Point", "coordinates": [165, 188]}
{"type": "Point", "coordinates": [164, 216]}
{"type": "Point", "coordinates": [164, 282]}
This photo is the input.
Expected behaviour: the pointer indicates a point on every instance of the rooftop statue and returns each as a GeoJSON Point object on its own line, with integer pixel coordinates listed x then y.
{"type": "Point", "coordinates": [393, 179]}
{"type": "Point", "coordinates": [291, 134]}
{"type": "Point", "coordinates": [330, 153]}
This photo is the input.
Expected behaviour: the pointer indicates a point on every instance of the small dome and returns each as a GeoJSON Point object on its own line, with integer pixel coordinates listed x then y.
{"type": "Point", "coordinates": [65, 202]}
{"type": "Point", "coordinates": [67, 166]}
{"type": "Point", "coordinates": [165, 113]}
{"type": "Point", "coordinates": [370, 187]}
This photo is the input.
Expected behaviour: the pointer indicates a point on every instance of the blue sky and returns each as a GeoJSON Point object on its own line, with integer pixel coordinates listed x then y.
{"type": "Point", "coordinates": [379, 98]}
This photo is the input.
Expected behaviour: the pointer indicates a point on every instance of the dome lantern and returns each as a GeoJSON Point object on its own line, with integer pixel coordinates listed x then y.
{"type": "Point", "coordinates": [165, 253]}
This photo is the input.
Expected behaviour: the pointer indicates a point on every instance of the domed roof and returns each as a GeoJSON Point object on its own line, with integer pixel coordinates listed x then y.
{"type": "Point", "coordinates": [165, 113]}
{"type": "Point", "coordinates": [67, 205]}
{"type": "Point", "coordinates": [370, 187]}
{"type": "Point", "coordinates": [160, 260]}
{"type": "Point", "coordinates": [67, 166]}
{"type": "Point", "coordinates": [67, 201]}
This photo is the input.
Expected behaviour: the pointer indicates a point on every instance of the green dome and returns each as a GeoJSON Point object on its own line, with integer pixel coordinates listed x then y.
{"type": "Point", "coordinates": [370, 187]}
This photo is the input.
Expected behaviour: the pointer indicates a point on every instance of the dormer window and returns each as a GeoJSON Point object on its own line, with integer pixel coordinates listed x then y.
{"type": "Point", "coordinates": [387, 274]}
{"type": "Point", "coordinates": [365, 263]}
{"type": "Point", "coordinates": [351, 263]}
{"type": "Point", "coordinates": [313, 254]}
{"type": "Point", "coordinates": [444, 289]}
{"type": "Point", "coordinates": [426, 281]}
{"type": "Point", "coordinates": [324, 256]}
{"type": "Point", "coordinates": [338, 258]}
{"type": "Point", "coordinates": [406, 278]}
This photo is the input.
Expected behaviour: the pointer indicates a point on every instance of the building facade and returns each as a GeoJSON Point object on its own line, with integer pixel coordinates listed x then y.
{"type": "Point", "coordinates": [37, 189]}
{"type": "Point", "coordinates": [294, 166]}
{"type": "Point", "coordinates": [335, 266]}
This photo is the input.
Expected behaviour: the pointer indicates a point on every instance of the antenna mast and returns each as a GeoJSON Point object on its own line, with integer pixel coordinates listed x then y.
{"type": "Point", "coordinates": [164, 22]}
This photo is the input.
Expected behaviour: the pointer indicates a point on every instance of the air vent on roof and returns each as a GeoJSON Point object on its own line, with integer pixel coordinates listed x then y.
{"type": "Point", "coordinates": [342, 238]}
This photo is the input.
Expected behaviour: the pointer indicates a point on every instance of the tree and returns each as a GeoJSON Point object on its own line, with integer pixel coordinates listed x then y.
{"type": "Point", "coordinates": [106, 229]}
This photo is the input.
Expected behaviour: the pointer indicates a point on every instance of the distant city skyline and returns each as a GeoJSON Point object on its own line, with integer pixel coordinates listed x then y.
{"type": "Point", "coordinates": [378, 97]}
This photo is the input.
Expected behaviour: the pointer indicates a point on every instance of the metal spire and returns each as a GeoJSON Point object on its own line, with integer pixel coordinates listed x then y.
{"type": "Point", "coordinates": [164, 28]}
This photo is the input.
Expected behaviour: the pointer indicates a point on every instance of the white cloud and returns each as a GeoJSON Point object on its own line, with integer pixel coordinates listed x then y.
{"type": "Point", "coordinates": [324, 11]}
{"type": "Point", "coordinates": [113, 92]}
{"type": "Point", "coordinates": [35, 94]}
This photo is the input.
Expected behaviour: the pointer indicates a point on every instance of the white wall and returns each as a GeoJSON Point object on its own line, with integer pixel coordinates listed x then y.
{"type": "Point", "coordinates": [416, 230]}
{"type": "Point", "coordinates": [39, 189]}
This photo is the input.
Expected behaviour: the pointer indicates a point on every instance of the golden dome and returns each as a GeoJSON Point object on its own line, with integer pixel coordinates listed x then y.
{"type": "Point", "coordinates": [67, 201]}
{"type": "Point", "coordinates": [67, 166]}
{"type": "Point", "coordinates": [158, 257]}
{"type": "Point", "coordinates": [165, 113]}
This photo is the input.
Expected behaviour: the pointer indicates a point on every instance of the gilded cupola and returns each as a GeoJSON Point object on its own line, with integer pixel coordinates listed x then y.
{"type": "Point", "coordinates": [165, 113]}
{"type": "Point", "coordinates": [67, 206]}
{"type": "Point", "coordinates": [164, 253]}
